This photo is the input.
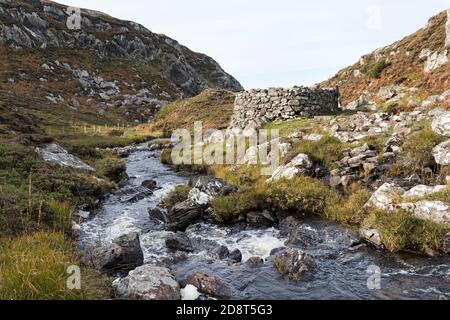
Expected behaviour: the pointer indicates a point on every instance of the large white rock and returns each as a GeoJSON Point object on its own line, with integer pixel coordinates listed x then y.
{"type": "Point", "coordinates": [421, 191]}
{"type": "Point", "coordinates": [441, 153]}
{"type": "Point", "coordinates": [371, 235]}
{"type": "Point", "coordinates": [300, 165]}
{"type": "Point", "coordinates": [55, 154]}
{"type": "Point", "coordinates": [441, 124]}
{"type": "Point", "coordinates": [148, 283]}
{"type": "Point", "coordinates": [436, 211]}
{"type": "Point", "coordinates": [384, 198]}
{"type": "Point", "coordinates": [436, 60]}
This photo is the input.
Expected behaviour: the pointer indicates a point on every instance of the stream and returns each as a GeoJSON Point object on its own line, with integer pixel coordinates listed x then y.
{"type": "Point", "coordinates": [342, 270]}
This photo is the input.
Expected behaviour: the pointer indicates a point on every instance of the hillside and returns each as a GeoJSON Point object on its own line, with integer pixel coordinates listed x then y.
{"type": "Point", "coordinates": [112, 70]}
{"type": "Point", "coordinates": [409, 70]}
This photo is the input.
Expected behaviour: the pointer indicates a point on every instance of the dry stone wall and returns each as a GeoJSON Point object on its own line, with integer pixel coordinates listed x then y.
{"type": "Point", "coordinates": [256, 107]}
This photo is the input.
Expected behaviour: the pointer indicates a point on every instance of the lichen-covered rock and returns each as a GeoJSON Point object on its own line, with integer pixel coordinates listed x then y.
{"type": "Point", "coordinates": [148, 283]}
{"type": "Point", "coordinates": [441, 153]}
{"type": "Point", "coordinates": [300, 165]}
{"type": "Point", "coordinates": [207, 188]}
{"type": "Point", "coordinates": [384, 197]}
{"type": "Point", "coordinates": [55, 154]}
{"type": "Point", "coordinates": [435, 61]}
{"type": "Point", "coordinates": [421, 191]}
{"type": "Point", "coordinates": [372, 236]}
{"type": "Point", "coordinates": [441, 124]}
{"type": "Point", "coordinates": [294, 263]}
{"type": "Point", "coordinates": [436, 211]}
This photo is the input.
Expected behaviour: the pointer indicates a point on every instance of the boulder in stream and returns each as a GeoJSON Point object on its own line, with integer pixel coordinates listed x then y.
{"type": "Point", "coordinates": [179, 242]}
{"type": "Point", "coordinates": [235, 256]}
{"type": "Point", "coordinates": [221, 252]}
{"type": "Point", "coordinates": [123, 255]}
{"type": "Point", "coordinates": [150, 184]}
{"type": "Point", "coordinates": [182, 215]}
{"type": "Point", "coordinates": [294, 263]}
{"type": "Point", "coordinates": [209, 285]}
{"type": "Point", "coordinates": [148, 282]}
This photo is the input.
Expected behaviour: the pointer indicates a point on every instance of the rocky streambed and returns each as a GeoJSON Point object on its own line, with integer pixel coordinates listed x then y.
{"type": "Point", "coordinates": [211, 261]}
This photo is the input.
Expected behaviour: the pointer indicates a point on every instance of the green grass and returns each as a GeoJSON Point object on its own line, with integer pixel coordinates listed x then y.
{"type": "Point", "coordinates": [227, 209]}
{"type": "Point", "coordinates": [213, 108]}
{"type": "Point", "coordinates": [301, 196]}
{"type": "Point", "coordinates": [33, 267]}
{"type": "Point", "coordinates": [402, 231]}
{"type": "Point", "coordinates": [349, 209]}
{"type": "Point", "coordinates": [378, 68]}
{"type": "Point", "coordinates": [325, 152]}
{"type": "Point", "coordinates": [417, 154]}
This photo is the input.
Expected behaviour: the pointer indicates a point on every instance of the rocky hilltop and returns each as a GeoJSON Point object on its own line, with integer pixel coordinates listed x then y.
{"type": "Point", "coordinates": [107, 66]}
{"type": "Point", "coordinates": [405, 73]}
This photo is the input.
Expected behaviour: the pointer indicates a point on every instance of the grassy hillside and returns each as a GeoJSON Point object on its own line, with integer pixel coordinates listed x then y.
{"type": "Point", "coordinates": [213, 107]}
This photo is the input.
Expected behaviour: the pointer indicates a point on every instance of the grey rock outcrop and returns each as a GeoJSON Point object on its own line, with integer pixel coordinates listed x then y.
{"type": "Point", "coordinates": [441, 153]}
{"type": "Point", "coordinates": [441, 123]}
{"type": "Point", "coordinates": [300, 165]}
{"type": "Point", "coordinates": [43, 24]}
{"type": "Point", "coordinates": [206, 188]}
{"type": "Point", "coordinates": [384, 197]}
{"type": "Point", "coordinates": [55, 154]}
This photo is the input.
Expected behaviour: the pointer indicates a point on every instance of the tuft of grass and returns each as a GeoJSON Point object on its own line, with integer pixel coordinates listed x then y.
{"type": "Point", "coordinates": [245, 175]}
{"type": "Point", "coordinates": [401, 231]}
{"type": "Point", "coordinates": [227, 209]}
{"type": "Point", "coordinates": [34, 267]}
{"type": "Point", "coordinates": [111, 167]}
{"type": "Point", "coordinates": [62, 214]}
{"type": "Point", "coordinates": [349, 210]}
{"type": "Point", "coordinates": [301, 196]}
{"type": "Point", "coordinates": [177, 195]}
{"type": "Point", "coordinates": [326, 151]}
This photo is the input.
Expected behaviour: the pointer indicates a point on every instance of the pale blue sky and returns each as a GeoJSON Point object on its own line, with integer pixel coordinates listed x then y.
{"type": "Point", "coordinates": [278, 42]}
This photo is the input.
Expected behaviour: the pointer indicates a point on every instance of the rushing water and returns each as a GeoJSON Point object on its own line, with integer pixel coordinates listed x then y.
{"type": "Point", "coordinates": [342, 271]}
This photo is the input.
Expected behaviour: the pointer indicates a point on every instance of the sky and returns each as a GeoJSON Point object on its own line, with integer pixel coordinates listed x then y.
{"type": "Point", "coordinates": [277, 43]}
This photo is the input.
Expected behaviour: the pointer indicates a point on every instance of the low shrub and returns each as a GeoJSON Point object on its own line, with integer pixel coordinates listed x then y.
{"type": "Point", "coordinates": [378, 68]}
